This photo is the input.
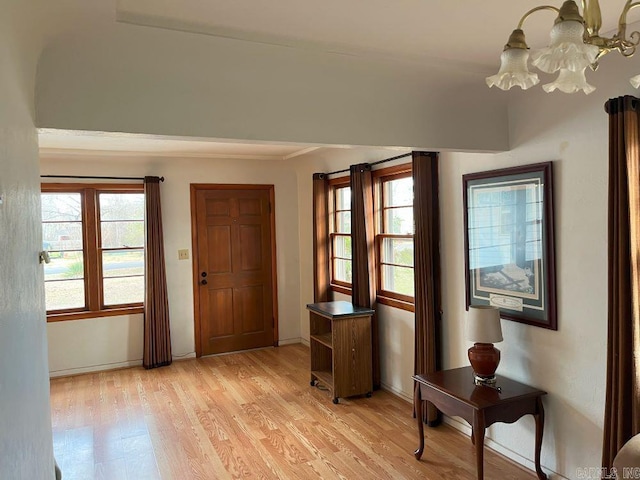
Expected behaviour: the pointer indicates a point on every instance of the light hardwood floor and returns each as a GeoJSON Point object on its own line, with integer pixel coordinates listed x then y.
{"type": "Point", "coordinates": [246, 415]}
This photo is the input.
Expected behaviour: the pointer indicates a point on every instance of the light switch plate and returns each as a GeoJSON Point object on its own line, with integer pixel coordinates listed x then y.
{"type": "Point", "coordinates": [183, 254]}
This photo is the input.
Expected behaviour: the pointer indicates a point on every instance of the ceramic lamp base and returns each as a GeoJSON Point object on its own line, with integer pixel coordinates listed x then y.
{"type": "Point", "coordinates": [484, 359]}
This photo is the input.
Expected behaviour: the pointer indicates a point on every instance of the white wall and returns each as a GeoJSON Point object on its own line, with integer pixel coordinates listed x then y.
{"type": "Point", "coordinates": [127, 78]}
{"type": "Point", "coordinates": [117, 341]}
{"type": "Point", "coordinates": [124, 78]}
{"type": "Point", "coordinates": [26, 444]}
{"type": "Point", "coordinates": [570, 364]}
{"type": "Point", "coordinates": [396, 326]}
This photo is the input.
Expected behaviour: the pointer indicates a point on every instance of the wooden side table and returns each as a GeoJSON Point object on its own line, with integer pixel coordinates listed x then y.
{"type": "Point", "coordinates": [454, 393]}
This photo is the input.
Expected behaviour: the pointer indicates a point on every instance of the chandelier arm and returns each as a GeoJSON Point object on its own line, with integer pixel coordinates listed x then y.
{"type": "Point", "coordinates": [533, 10]}
{"type": "Point", "coordinates": [627, 8]}
{"type": "Point", "coordinates": [627, 47]}
{"type": "Point", "coordinates": [592, 18]}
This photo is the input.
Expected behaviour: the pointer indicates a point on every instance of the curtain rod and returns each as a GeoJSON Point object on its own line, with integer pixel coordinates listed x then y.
{"type": "Point", "coordinates": [374, 163]}
{"type": "Point", "coordinates": [96, 178]}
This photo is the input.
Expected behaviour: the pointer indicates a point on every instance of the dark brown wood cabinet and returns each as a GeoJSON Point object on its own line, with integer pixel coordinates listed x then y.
{"type": "Point", "coordinates": [340, 344]}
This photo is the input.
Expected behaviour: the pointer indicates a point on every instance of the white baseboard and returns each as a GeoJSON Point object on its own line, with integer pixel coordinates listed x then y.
{"type": "Point", "coordinates": [502, 450]}
{"type": "Point", "coordinates": [290, 341]}
{"type": "Point", "coordinates": [94, 368]}
{"type": "Point", "coordinates": [304, 341]}
{"type": "Point", "coordinates": [396, 392]}
{"type": "Point", "coordinates": [184, 357]}
{"type": "Point", "coordinates": [109, 366]}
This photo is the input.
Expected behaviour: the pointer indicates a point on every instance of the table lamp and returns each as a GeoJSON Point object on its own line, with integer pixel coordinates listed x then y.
{"type": "Point", "coordinates": [483, 329]}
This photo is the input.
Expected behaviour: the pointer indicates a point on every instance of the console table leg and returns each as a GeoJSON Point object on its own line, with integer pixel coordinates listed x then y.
{"type": "Point", "coordinates": [539, 417]}
{"type": "Point", "coordinates": [417, 404]}
{"type": "Point", "coordinates": [478, 435]}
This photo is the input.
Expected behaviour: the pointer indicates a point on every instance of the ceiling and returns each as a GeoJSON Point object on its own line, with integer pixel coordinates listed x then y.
{"type": "Point", "coordinates": [71, 142]}
{"type": "Point", "coordinates": [461, 32]}
{"type": "Point", "coordinates": [465, 34]}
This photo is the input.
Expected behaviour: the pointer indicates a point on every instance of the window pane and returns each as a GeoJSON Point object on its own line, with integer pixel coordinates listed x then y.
{"type": "Point", "coordinates": [64, 294]}
{"type": "Point", "coordinates": [343, 222]}
{"type": "Point", "coordinates": [124, 290]}
{"type": "Point", "coordinates": [342, 246]}
{"type": "Point", "coordinates": [64, 266]}
{"type": "Point", "coordinates": [342, 270]}
{"type": "Point", "coordinates": [122, 263]}
{"type": "Point", "coordinates": [399, 220]}
{"type": "Point", "coordinates": [122, 234]}
{"type": "Point", "coordinates": [398, 279]}
{"type": "Point", "coordinates": [398, 192]}
{"type": "Point", "coordinates": [398, 251]}
{"type": "Point", "coordinates": [121, 206]}
{"type": "Point", "coordinates": [343, 198]}
{"type": "Point", "coordinates": [61, 207]}
{"type": "Point", "coordinates": [62, 236]}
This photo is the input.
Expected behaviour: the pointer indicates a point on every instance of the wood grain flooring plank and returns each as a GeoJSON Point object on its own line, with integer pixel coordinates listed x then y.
{"type": "Point", "coordinates": [246, 415]}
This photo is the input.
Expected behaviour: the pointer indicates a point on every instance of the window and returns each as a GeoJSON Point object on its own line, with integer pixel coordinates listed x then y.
{"type": "Point", "coordinates": [394, 239]}
{"type": "Point", "coordinates": [340, 228]}
{"type": "Point", "coordinates": [95, 237]}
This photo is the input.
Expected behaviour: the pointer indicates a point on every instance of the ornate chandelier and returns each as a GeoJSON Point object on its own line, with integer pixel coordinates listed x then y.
{"type": "Point", "coordinates": [575, 45]}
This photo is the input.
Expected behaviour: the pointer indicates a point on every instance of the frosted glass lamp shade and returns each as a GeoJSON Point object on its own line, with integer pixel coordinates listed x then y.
{"type": "Point", "coordinates": [513, 71]}
{"type": "Point", "coordinates": [570, 82]}
{"type": "Point", "coordinates": [567, 49]}
{"type": "Point", "coordinates": [635, 81]}
{"type": "Point", "coordinates": [483, 324]}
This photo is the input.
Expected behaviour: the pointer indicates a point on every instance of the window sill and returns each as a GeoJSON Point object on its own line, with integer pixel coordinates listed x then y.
{"type": "Point", "coordinates": [341, 289]}
{"type": "Point", "coordinates": [111, 312]}
{"type": "Point", "coordinates": [392, 302]}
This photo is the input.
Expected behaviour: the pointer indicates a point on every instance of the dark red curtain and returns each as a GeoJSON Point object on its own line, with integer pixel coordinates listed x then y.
{"type": "Point", "coordinates": [622, 407]}
{"type": "Point", "coordinates": [363, 253]}
{"type": "Point", "coordinates": [157, 337]}
{"type": "Point", "coordinates": [321, 240]}
{"type": "Point", "coordinates": [426, 213]}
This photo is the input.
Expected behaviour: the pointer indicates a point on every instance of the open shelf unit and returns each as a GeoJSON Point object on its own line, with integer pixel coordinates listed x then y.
{"type": "Point", "coordinates": [340, 344]}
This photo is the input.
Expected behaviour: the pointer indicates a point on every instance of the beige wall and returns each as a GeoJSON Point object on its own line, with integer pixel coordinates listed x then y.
{"type": "Point", "coordinates": [113, 79]}
{"type": "Point", "coordinates": [26, 445]}
{"type": "Point", "coordinates": [116, 341]}
{"type": "Point", "coordinates": [125, 78]}
{"type": "Point", "coordinates": [570, 363]}
{"type": "Point", "coordinates": [396, 326]}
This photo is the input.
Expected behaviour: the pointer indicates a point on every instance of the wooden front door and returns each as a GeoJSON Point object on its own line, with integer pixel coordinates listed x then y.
{"type": "Point", "coordinates": [234, 267]}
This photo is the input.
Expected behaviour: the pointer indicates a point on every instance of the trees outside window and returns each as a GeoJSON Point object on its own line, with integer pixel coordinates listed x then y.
{"type": "Point", "coordinates": [394, 238]}
{"type": "Point", "coordinates": [95, 237]}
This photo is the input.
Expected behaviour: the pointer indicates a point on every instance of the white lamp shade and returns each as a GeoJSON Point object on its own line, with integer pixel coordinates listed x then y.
{"type": "Point", "coordinates": [513, 71]}
{"type": "Point", "coordinates": [635, 81]}
{"type": "Point", "coordinates": [567, 49]}
{"type": "Point", "coordinates": [570, 82]}
{"type": "Point", "coordinates": [483, 324]}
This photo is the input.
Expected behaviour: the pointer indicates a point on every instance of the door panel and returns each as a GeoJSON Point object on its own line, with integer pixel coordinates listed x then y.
{"type": "Point", "coordinates": [220, 303]}
{"type": "Point", "coordinates": [250, 254]}
{"type": "Point", "coordinates": [218, 207]}
{"type": "Point", "coordinates": [234, 262]}
{"type": "Point", "coordinates": [249, 206]}
{"type": "Point", "coordinates": [219, 241]}
{"type": "Point", "coordinates": [251, 308]}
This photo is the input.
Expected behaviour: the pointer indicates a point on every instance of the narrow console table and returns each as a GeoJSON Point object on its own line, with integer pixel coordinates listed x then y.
{"type": "Point", "coordinates": [340, 344]}
{"type": "Point", "coordinates": [454, 393]}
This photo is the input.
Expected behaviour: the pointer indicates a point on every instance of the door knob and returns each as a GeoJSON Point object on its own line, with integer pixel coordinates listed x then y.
{"type": "Point", "coordinates": [203, 282]}
{"type": "Point", "coordinates": [203, 274]}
